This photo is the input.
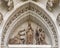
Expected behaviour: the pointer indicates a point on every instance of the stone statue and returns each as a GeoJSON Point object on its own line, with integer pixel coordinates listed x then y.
{"type": "Point", "coordinates": [42, 37]}
{"type": "Point", "coordinates": [29, 34]}
{"type": "Point", "coordinates": [1, 18]}
{"type": "Point", "coordinates": [51, 4]}
{"type": "Point", "coordinates": [58, 19]}
{"type": "Point", "coordinates": [17, 39]}
{"type": "Point", "coordinates": [9, 4]}
{"type": "Point", "coordinates": [37, 36]}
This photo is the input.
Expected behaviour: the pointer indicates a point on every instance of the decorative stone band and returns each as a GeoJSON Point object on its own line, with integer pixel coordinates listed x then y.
{"type": "Point", "coordinates": [35, 8]}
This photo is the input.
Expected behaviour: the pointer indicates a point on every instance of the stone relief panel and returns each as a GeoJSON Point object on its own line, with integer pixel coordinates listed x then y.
{"type": "Point", "coordinates": [51, 4]}
{"type": "Point", "coordinates": [1, 18]}
{"type": "Point", "coordinates": [30, 35]}
{"type": "Point", "coordinates": [40, 37]}
{"type": "Point", "coordinates": [58, 19]}
{"type": "Point", "coordinates": [9, 4]}
{"type": "Point", "coordinates": [45, 17]}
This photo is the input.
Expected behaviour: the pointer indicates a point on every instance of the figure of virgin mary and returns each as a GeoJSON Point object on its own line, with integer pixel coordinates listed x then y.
{"type": "Point", "coordinates": [29, 34]}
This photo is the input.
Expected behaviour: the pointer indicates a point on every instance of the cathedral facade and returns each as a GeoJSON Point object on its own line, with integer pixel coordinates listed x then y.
{"type": "Point", "coordinates": [30, 23]}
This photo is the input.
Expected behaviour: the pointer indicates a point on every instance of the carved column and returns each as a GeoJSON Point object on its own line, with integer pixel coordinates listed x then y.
{"type": "Point", "coordinates": [51, 4]}
{"type": "Point", "coordinates": [1, 18]}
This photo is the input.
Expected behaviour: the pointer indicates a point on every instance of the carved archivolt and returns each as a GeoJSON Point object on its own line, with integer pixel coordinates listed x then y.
{"type": "Point", "coordinates": [37, 10]}
{"type": "Point", "coordinates": [1, 18]}
{"type": "Point", "coordinates": [51, 4]}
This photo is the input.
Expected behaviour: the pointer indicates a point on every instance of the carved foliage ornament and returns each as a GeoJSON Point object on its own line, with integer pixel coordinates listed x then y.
{"type": "Point", "coordinates": [9, 4]}
{"type": "Point", "coordinates": [51, 4]}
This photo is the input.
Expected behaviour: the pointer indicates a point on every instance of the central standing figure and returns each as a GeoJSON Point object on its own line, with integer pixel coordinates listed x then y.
{"type": "Point", "coordinates": [29, 34]}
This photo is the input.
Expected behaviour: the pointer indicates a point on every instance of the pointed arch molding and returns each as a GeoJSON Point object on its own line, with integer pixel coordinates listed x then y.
{"type": "Point", "coordinates": [31, 8]}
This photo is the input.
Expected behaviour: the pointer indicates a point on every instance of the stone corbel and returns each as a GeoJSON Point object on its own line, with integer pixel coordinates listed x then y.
{"type": "Point", "coordinates": [1, 18]}
{"type": "Point", "coordinates": [51, 4]}
{"type": "Point", "coordinates": [9, 4]}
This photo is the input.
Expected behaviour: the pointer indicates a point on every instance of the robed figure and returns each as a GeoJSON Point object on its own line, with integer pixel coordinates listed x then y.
{"type": "Point", "coordinates": [29, 34]}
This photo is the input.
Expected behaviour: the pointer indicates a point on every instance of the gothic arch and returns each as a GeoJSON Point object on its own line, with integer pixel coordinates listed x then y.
{"type": "Point", "coordinates": [30, 9]}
